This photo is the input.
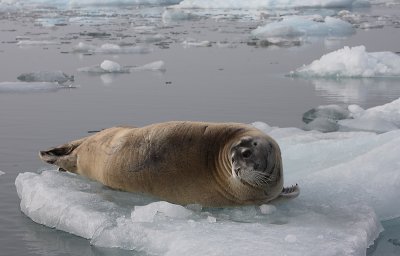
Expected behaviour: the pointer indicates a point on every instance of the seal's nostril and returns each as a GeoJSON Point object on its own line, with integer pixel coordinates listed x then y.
{"type": "Point", "coordinates": [237, 170]}
{"type": "Point", "coordinates": [246, 153]}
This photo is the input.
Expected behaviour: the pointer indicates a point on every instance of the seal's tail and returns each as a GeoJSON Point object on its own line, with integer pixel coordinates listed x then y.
{"type": "Point", "coordinates": [62, 156]}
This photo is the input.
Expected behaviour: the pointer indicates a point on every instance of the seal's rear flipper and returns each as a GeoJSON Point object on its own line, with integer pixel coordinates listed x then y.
{"type": "Point", "coordinates": [62, 156]}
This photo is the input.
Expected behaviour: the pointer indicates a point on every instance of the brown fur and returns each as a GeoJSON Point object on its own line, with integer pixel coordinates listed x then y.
{"type": "Point", "coordinates": [181, 162]}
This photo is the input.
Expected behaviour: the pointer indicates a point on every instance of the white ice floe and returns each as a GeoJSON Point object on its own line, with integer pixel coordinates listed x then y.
{"type": "Point", "coordinates": [194, 43]}
{"type": "Point", "coordinates": [303, 27]}
{"type": "Point", "coordinates": [352, 62]}
{"type": "Point", "coordinates": [28, 87]}
{"type": "Point", "coordinates": [112, 67]}
{"type": "Point", "coordinates": [152, 66]}
{"type": "Point", "coordinates": [267, 4]}
{"type": "Point", "coordinates": [46, 76]}
{"type": "Point", "coordinates": [330, 118]}
{"type": "Point", "coordinates": [110, 49]}
{"type": "Point", "coordinates": [349, 182]}
{"type": "Point", "coordinates": [1, 173]}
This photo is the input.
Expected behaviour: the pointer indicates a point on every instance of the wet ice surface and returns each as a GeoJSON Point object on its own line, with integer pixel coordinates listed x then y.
{"type": "Point", "coordinates": [233, 77]}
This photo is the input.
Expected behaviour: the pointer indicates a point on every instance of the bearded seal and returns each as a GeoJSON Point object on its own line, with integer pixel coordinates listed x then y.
{"type": "Point", "coordinates": [212, 164]}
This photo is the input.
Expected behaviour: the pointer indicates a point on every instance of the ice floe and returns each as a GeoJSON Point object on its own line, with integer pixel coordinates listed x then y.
{"type": "Point", "coordinates": [330, 118]}
{"type": "Point", "coordinates": [110, 49]}
{"type": "Point", "coordinates": [195, 43]}
{"type": "Point", "coordinates": [152, 66]}
{"type": "Point", "coordinates": [352, 62]}
{"type": "Point", "coordinates": [28, 87]}
{"type": "Point", "coordinates": [349, 181]}
{"type": "Point", "coordinates": [1, 173]}
{"type": "Point", "coordinates": [267, 4]}
{"type": "Point", "coordinates": [302, 27]}
{"type": "Point", "coordinates": [46, 76]}
{"type": "Point", "coordinates": [36, 42]}
{"type": "Point", "coordinates": [107, 66]}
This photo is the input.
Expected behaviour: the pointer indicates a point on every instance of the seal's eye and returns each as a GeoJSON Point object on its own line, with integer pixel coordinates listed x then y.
{"type": "Point", "coordinates": [246, 153]}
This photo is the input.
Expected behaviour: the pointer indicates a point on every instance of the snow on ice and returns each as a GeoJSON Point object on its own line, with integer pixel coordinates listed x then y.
{"type": "Point", "coordinates": [352, 62]}
{"type": "Point", "coordinates": [349, 182]}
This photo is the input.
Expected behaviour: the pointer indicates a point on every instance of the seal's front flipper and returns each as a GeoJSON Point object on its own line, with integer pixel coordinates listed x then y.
{"type": "Point", "coordinates": [290, 192]}
{"type": "Point", "coordinates": [62, 156]}
{"type": "Point", "coordinates": [287, 194]}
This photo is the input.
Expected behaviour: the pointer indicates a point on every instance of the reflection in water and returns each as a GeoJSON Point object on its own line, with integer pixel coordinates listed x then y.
{"type": "Point", "coordinates": [363, 91]}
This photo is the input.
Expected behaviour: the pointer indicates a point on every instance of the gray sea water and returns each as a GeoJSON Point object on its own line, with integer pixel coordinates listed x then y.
{"type": "Point", "coordinates": [239, 81]}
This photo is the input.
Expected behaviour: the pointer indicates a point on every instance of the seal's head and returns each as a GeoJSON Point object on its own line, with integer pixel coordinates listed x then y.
{"type": "Point", "coordinates": [256, 161]}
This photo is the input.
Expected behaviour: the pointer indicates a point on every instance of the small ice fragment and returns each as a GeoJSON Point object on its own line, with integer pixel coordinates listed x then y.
{"type": "Point", "coordinates": [1, 173]}
{"type": "Point", "coordinates": [173, 15]}
{"type": "Point", "coordinates": [46, 76]}
{"type": "Point", "coordinates": [110, 66]}
{"type": "Point", "coordinates": [192, 43]}
{"type": "Point", "coordinates": [267, 209]}
{"type": "Point", "coordinates": [211, 219]}
{"type": "Point", "coordinates": [291, 238]}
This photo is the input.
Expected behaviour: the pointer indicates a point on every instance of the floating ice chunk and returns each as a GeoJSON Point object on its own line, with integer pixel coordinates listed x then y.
{"type": "Point", "coordinates": [110, 66]}
{"type": "Point", "coordinates": [148, 212]}
{"type": "Point", "coordinates": [193, 43]}
{"type": "Point", "coordinates": [298, 26]}
{"type": "Point", "coordinates": [28, 87]}
{"type": "Point", "coordinates": [1, 173]}
{"type": "Point", "coordinates": [352, 62]}
{"type": "Point", "coordinates": [153, 66]}
{"type": "Point", "coordinates": [107, 66]}
{"type": "Point", "coordinates": [36, 42]}
{"type": "Point", "coordinates": [332, 112]}
{"type": "Point", "coordinates": [174, 15]}
{"type": "Point", "coordinates": [237, 4]}
{"type": "Point", "coordinates": [324, 118]}
{"type": "Point", "coordinates": [110, 49]}
{"type": "Point", "coordinates": [46, 76]}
